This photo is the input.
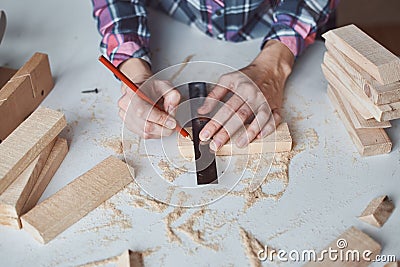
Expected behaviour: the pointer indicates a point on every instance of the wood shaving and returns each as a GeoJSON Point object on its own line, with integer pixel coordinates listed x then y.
{"type": "Point", "coordinates": [251, 246]}
{"type": "Point", "coordinates": [170, 173]}
{"type": "Point", "coordinates": [182, 67]}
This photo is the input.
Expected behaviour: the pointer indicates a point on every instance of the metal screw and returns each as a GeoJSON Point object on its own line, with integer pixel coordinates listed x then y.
{"type": "Point", "coordinates": [91, 91]}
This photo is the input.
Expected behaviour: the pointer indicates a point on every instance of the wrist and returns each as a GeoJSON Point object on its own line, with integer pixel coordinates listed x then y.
{"type": "Point", "coordinates": [276, 55]}
{"type": "Point", "coordinates": [137, 69]}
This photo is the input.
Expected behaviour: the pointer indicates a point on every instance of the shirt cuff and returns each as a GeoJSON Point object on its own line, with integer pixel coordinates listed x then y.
{"type": "Point", "coordinates": [126, 51]}
{"type": "Point", "coordinates": [296, 42]}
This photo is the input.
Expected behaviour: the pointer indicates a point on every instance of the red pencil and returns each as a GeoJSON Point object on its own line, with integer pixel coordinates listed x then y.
{"type": "Point", "coordinates": [134, 88]}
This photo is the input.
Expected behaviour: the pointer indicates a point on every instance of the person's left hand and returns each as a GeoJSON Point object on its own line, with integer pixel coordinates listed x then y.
{"type": "Point", "coordinates": [257, 94]}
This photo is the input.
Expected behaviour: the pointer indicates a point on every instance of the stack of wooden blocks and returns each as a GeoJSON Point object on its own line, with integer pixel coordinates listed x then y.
{"type": "Point", "coordinates": [31, 151]}
{"type": "Point", "coordinates": [364, 87]}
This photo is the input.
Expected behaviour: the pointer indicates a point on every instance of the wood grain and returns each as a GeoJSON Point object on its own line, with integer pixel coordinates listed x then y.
{"type": "Point", "coordinates": [5, 75]}
{"type": "Point", "coordinates": [378, 93]}
{"type": "Point", "coordinates": [279, 141]}
{"type": "Point", "coordinates": [27, 141]}
{"type": "Point", "coordinates": [74, 201]}
{"type": "Point", "coordinates": [24, 92]}
{"type": "Point", "coordinates": [375, 59]}
{"type": "Point", "coordinates": [367, 141]}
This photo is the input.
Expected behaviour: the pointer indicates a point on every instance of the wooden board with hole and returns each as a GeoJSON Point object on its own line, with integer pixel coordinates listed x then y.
{"type": "Point", "coordinates": [23, 93]}
{"type": "Point", "coordinates": [279, 141]}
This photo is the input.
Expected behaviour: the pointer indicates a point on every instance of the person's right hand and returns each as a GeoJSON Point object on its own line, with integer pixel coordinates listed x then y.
{"type": "Point", "coordinates": [141, 117]}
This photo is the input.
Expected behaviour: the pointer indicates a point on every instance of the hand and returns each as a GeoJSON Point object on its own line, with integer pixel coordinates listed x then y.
{"type": "Point", "coordinates": [142, 118]}
{"type": "Point", "coordinates": [260, 98]}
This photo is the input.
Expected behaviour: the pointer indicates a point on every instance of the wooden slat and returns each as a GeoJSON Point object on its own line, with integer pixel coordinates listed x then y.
{"type": "Point", "coordinates": [276, 142]}
{"type": "Point", "coordinates": [342, 82]}
{"type": "Point", "coordinates": [375, 59]}
{"type": "Point", "coordinates": [378, 93]}
{"type": "Point", "coordinates": [23, 94]}
{"type": "Point", "coordinates": [52, 164]}
{"type": "Point", "coordinates": [5, 75]}
{"type": "Point", "coordinates": [26, 142]}
{"type": "Point", "coordinates": [14, 197]}
{"type": "Point", "coordinates": [367, 141]}
{"type": "Point", "coordinates": [54, 215]}
{"type": "Point", "coordinates": [351, 240]}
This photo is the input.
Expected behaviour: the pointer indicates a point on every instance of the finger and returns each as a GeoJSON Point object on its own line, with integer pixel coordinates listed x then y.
{"type": "Point", "coordinates": [231, 127]}
{"type": "Point", "coordinates": [160, 117]}
{"type": "Point", "coordinates": [171, 101]}
{"type": "Point", "coordinates": [222, 116]}
{"type": "Point", "coordinates": [271, 125]}
{"type": "Point", "coordinates": [262, 117]}
{"type": "Point", "coordinates": [154, 129]}
{"type": "Point", "coordinates": [212, 99]}
{"type": "Point", "coordinates": [146, 130]}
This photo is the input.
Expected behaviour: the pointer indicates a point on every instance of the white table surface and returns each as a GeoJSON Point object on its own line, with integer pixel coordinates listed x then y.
{"type": "Point", "coordinates": [329, 183]}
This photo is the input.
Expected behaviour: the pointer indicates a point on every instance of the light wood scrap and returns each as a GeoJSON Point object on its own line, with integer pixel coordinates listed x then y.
{"type": "Point", "coordinates": [359, 122]}
{"type": "Point", "coordinates": [5, 75]}
{"type": "Point", "coordinates": [14, 197]}
{"type": "Point", "coordinates": [26, 143]}
{"type": "Point", "coordinates": [351, 240]}
{"type": "Point", "coordinates": [130, 259]}
{"type": "Point", "coordinates": [74, 201]}
{"type": "Point", "coordinates": [378, 211]}
{"type": "Point", "coordinates": [280, 141]}
{"type": "Point", "coordinates": [375, 59]}
{"type": "Point", "coordinates": [392, 264]}
{"type": "Point", "coordinates": [378, 93]}
{"type": "Point", "coordinates": [52, 164]}
{"type": "Point", "coordinates": [367, 141]}
{"type": "Point", "coordinates": [24, 92]}
{"type": "Point", "coordinates": [382, 112]}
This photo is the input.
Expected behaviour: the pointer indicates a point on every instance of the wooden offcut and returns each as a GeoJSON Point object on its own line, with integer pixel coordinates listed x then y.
{"type": "Point", "coordinates": [21, 147]}
{"type": "Point", "coordinates": [378, 93]}
{"type": "Point", "coordinates": [375, 59]}
{"type": "Point", "coordinates": [74, 201]}
{"type": "Point", "coordinates": [5, 75]}
{"type": "Point", "coordinates": [367, 141]}
{"type": "Point", "coordinates": [378, 211]}
{"type": "Point", "coordinates": [23, 93]}
{"type": "Point", "coordinates": [279, 141]}
{"type": "Point", "coordinates": [130, 259]}
{"type": "Point", "coordinates": [392, 264]}
{"type": "Point", "coordinates": [351, 240]}
{"type": "Point", "coordinates": [14, 197]}
{"type": "Point", "coordinates": [384, 112]}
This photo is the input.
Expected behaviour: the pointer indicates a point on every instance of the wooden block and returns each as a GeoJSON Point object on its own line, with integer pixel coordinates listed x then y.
{"type": "Point", "coordinates": [351, 240]}
{"type": "Point", "coordinates": [375, 59]}
{"type": "Point", "coordinates": [378, 211]}
{"type": "Point", "coordinates": [130, 259]}
{"type": "Point", "coordinates": [367, 141]}
{"type": "Point", "coordinates": [74, 201]}
{"type": "Point", "coordinates": [5, 75]}
{"type": "Point", "coordinates": [346, 86]}
{"type": "Point", "coordinates": [378, 93]}
{"type": "Point", "coordinates": [392, 264]}
{"type": "Point", "coordinates": [278, 142]}
{"type": "Point", "coordinates": [27, 141]}
{"type": "Point", "coordinates": [14, 197]}
{"type": "Point", "coordinates": [359, 122]}
{"type": "Point", "coordinates": [24, 92]}
{"type": "Point", "coordinates": [52, 164]}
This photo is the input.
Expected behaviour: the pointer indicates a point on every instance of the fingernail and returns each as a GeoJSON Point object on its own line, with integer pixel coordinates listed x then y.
{"type": "Point", "coordinates": [214, 145]}
{"type": "Point", "coordinates": [204, 136]}
{"type": "Point", "coordinates": [171, 124]}
{"type": "Point", "coordinates": [242, 142]}
{"type": "Point", "coordinates": [170, 109]}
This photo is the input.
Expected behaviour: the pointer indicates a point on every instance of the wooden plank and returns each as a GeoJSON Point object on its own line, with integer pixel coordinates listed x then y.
{"type": "Point", "coordinates": [375, 59]}
{"type": "Point", "coordinates": [130, 259]}
{"type": "Point", "coordinates": [52, 164]}
{"type": "Point", "coordinates": [359, 122]}
{"type": "Point", "coordinates": [378, 211]}
{"type": "Point", "coordinates": [352, 240]}
{"type": "Point", "coordinates": [354, 94]}
{"type": "Point", "coordinates": [23, 94]}
{"type": "Point", "coordinates": [278, 142]}
{"type": "Point", "coordinates": [14, 197]}
{"type": "Point", "coordinates": [74, 201]}
{"type": "Point", "coordinates": [5, 75]}
{"type": "Point", "coordinates": [27, 141]}
{"type": "Point", "coordinates": [367, 141]}
{"type": "Point", "coordinates": [378, 93]}
{"type": "Point", "coordinates": [392, 264]}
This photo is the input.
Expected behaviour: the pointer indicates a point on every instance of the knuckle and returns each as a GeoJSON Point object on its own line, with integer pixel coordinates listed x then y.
{"type": "Point", "coordinates": [140, 111]}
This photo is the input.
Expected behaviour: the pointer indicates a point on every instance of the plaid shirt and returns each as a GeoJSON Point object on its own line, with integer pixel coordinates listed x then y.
{"type": "Point", "coordinates": [123, 23]}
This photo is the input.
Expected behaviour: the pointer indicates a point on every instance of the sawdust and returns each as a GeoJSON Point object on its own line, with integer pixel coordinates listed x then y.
{"type": "Point", "coordinates": [312, 137]}
{"type": "Point", "coordinates": [174, 216]}
{"type": "Point", "coordinates": [170, 173]}
{"type": "Point", "coordinates": [252, 246]}
{"type": "Point", "coordinates": [113, 143]}
{"type": "Point", "coordinates": [182, 67]}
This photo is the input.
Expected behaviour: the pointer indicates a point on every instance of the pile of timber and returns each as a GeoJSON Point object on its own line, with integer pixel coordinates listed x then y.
{"type": "Point", "coordinates": [364, 87]}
